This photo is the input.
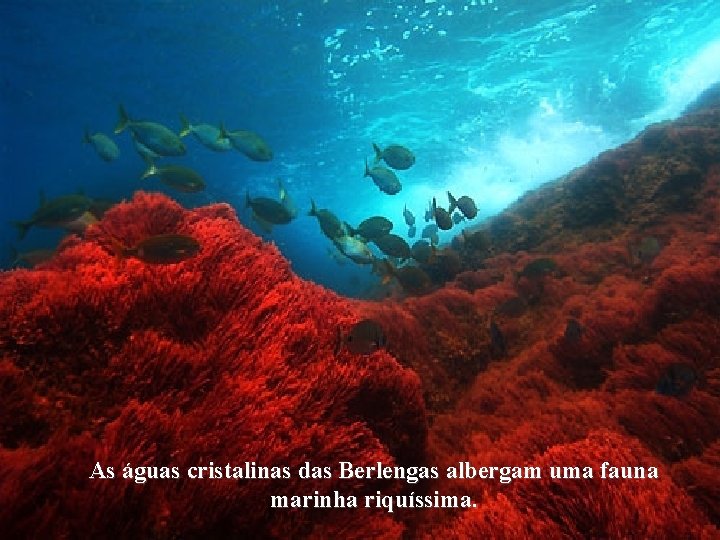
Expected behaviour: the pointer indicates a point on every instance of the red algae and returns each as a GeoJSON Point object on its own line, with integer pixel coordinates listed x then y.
{"type": "Point", "coordinates": [229, 357]}
{"type": "Point", "coordinates": [226, 356]}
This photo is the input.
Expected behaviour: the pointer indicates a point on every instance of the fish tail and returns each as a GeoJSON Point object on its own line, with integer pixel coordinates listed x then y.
{"type": "Point", "coordinates": [22, 227]}
{"type": "Point", "coordinates": [367, 168]}
{"type": "Point", "coordinates": [118, 248]}
{"type": "Point", "coordinates": [378, 153]}
{"type": "Point", "coordinates": [313, 208]}
{"type": "Point", "coordinates": [14, 257]}
{"type": "Point", "coordinates": [453, 203]}
{"type": "Point", "coordinates": [339, 337]}
{"type": "Point", "coordinates": [223, 132]}
{"type": "Point", "coordinates": [350, 230]}
{"type": "Point", "coordinates": [185, 125]}
{"type": "Point", "coordinates": [123, 119]}
{"type": "Point", "coordinates": [151, 170]}
{"type": "Point", "coordinates": [385, 269]}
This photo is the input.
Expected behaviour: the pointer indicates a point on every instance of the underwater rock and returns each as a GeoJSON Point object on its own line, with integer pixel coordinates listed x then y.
{"type": "Point", "coordinates": [224, 357]}
{"type": "Point", "coordinates": [661, 171]}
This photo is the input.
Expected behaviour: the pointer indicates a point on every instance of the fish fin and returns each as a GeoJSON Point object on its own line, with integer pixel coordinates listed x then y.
{"type": "Point", "coordinates": [22, 227]}
{"type": "Point", "coordinates": [453, 203]}
{"type": "Point", "coordinates": [266, 226]}
{"type": "Point", "coordinates": [339, 337]}
{"type": "Point", "coordinates": [185, 127]}
{"type": "Point", "coordinates": [349, 229]}
{"type": "Point", "coordinates": [151, 170]}
{"type": "Point", "coordinates": [313, 208]}
{"type": "Point", "coordinates": [14, 257]}
{"type": "Point", "coordinates": [148, 160]}
{"type": "Point", "coordinates": [378, 153]}
{"type": "Point", "coordinates": [120, 251]}
{"type": "Point", "coordinates": [434, 207]}
{"type": "Point", "coordinates": [123, 119]}
{"type": "Point", "coordinates": [389, 268]}
{"type": "Point", "coordinates": [223, 132]}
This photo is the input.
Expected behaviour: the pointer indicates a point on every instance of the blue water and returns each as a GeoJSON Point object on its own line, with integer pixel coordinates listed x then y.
{"type": "Point", "coordinates": [494, 97]}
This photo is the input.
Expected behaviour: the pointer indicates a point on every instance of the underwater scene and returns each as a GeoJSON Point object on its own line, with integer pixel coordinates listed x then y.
{"type": "Point", "coordinates": [360, 269]}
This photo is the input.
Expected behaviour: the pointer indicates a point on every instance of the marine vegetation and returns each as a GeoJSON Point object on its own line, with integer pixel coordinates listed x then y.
{"type": "Point", "coordinates": [579, 327]}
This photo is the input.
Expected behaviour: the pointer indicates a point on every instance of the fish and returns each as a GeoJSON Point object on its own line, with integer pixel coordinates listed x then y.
{"type": "Point", "coordinates": [677, 380]}
{"type": "Point", "coordinates": [99, 206]}
{"type": "Point", "coordinates": [477, 241]}
{"type": "Point", "coordinates": [384, 179]}
{"type": "Point", "coordinates": [457, 218]}
{"type": "Point", "coordinates": [412, 231]}
{"type": "Point", "coordinates": [409, 217]}
{"type": "Point", "coordinates": [498, 348]}
{"type": "Point", "coordinates": [429, 213]}
{"type": "Point", "coordinates": [442, 217]}
{"type": "Point", "coordinates": [538, 268]}
{"type": "Point", "coordinates": [104, 145]}
{"type": "Point", "coordinates": [372, 227]}
{"type": "Point", "coordinates": [269, 210]}
{"type": "Point", "coordinates": [412, 279]}
{"type": "Point", "coordinates": [58, 212]}
{"type": "Point", "coordinates": [393, 245]}
{"type": "Point", "coordinates": [395, 156]}
{"type": "Point", "coordinates": [31, 258]}
{"type": "Point", "coordinates": [446, 264]}
{"type": "Point", "coordinates": [465, 204]}
{"type": "Point", "coordinates": [337, 256]}
{"type": "Point", "coordinates": [458, 241]}
{"type": "Point", "coordinates": [512, 307]}
{"type": "Point", "coordinates": [177, 177]}
{"type": "Point", "coordinates": [354, 249]}
{"type": "Point", "coordinates": [147, 155]}
{"type": "Point", "coordinates": [265, 226]}
{"type": "Point", "coordinates": [249, 143]}
{"type": "Point", "coordinates": [286, 200]}
{"type": "Point", "coordinates": [152, 135]}
{"type": "Point", "coordinates": [429, 230]}
{"type": "Point", "coordinates": [160, 249]}
{"type": "Point", "coordinates": [330, 225]}
{"type": "Point", "coordinates": [423, 252]}
{"type": "Point", "coordinates": [365, 337]}
{"type": "Point", "coordinates": [80, 224]}
{"type": "Point", "coordinates": [645, 251]}
{"type": "Point", "coordinates": [207, 134]}
{"type": "Point", "coordinates": [434, 239]}
{"type": "Point", "coordinates": [573, 331]}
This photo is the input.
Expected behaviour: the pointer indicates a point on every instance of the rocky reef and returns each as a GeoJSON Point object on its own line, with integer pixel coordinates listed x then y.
{"type": "Point", "coordinates": [582, 326]}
